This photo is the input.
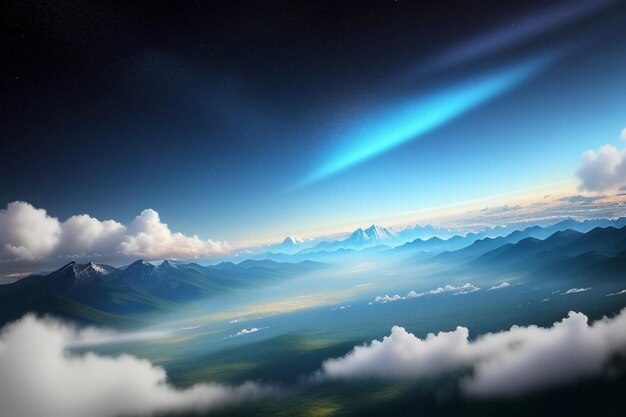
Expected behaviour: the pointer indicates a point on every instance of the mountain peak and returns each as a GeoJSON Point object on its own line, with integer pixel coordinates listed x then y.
{"type": "Point", "coordinates": [167, 263]}
{"type": "Point", "coordinates": [140, 265]}
{"type": "Point", "coordinates": [292, 240]}
{"type": "Point", "coordinates": [67, 265]}
{"type": "Point", "coordinates": [375, 232]}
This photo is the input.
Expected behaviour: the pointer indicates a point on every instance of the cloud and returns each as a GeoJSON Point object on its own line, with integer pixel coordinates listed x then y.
{"type": "Point", "coordinates": [462, 290]}
{"type": "Point", "coordinates": [27, 233]}
{"type": "Point", "coordinates": [623, 134]}
{"type": "Point", "coordinates": [501, 209]}
{"type": "Point", "coordinates": [576, 290]}
{"type": "Point", "coordinates": [497, 287]}
{"type": "Point", "coordinates": [512, 362]}
{"type": "Point", "coordinates": [244, 332]}
{"type": "Point", "coordinates": [149, 238]}
{"type": "Point", "coordinates": [86, 235]}
{"type": "Point", "coordinates": [580, 199]}
{"type": "Point", "coordinates": [604, 170]}
{"type": "Point", "coordinates": [616, 293]}
{"type": "Point", "coordinates": [30, 236]}
{"type": "Point", "coordinates": [387, 298]}
{"type": "Point", "coordinates": [40, 378]}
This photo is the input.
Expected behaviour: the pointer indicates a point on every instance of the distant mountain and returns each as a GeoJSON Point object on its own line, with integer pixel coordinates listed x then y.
{"type": "Point", "coordinates": [83, 292]}
{"type": "Point", "coordinates": [436, 245]}
{"type": "Point", "coordinates": [359, 239]}
{"type": "Point", "coordinates": [427, 232]}
{"type": "Point", "coordinates": [568, 257]}
{"type": "Point", "coordinates": [485, 245]}
{"type": "Point", "coordinates": [598, 256]}
{"type": "Point", "coordinates": [289, 245]}
{"type": "Point", "coordinates": [292, 241]}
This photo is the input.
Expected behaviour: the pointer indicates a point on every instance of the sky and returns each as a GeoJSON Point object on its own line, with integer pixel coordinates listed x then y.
{"type": "Point", "coordinates": [240, 122]}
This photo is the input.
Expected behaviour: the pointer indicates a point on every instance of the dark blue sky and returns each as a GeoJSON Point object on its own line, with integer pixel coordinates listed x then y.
{"type": "Point", "coordinates": [221, 117]}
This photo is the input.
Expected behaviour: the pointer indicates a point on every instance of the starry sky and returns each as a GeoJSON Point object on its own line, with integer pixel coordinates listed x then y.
{"type": "Point", "coordinates": [244, 121]}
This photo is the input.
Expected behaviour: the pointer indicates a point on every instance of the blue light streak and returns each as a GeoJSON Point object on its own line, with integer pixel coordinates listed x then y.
{"type": "Point", "coordinates": [419, 116]}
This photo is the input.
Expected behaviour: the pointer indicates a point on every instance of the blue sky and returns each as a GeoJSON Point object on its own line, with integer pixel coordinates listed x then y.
{"type": "Point", "coordinates": [240, 145]}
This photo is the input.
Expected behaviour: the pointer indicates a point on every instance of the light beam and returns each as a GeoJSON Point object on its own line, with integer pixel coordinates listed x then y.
{"type": "Point", "coordinates": [412, 119]}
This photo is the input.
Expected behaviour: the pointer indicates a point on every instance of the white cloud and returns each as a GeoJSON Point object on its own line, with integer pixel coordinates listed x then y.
{"type": "Point", "coordinates": [604, 170]}
{"type": "Point", "coordinates": [462, 290]}
{"type": "Point", "coordinates": [40, 378]}
{"type": "Point", "coordinates": [576, 290]}
{"type": "Point", "coordinates": [616, 293]}
{"type": "Point", "coordinates": [149, 238]}
{"type": "Point", "coordinates": [244, 332]}
{"type": "Point", "coordinates": [86, 235]}
{"type": "Point", "coordinates": [508, 363]}
{"type": "Point", "coordinates": [500, 286]}
{"type": "Point", "coordinates": [623, 134]}
{"type": "Point", "coordinates": [387, 298]}
{"type": "Point", "coordinates": [27, 233]}
{"type": "Point", "coordinates": [29, 236]}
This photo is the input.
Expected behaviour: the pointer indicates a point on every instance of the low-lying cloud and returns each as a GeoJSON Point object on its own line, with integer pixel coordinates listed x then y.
{"type": "Point", "coordinates": [512, 362]}
{"type": "Point", "coordinates": [30, 236]}
{"type": "Point", "coordinates": [461, 290]}
{"type": "Point", "coordinates": [40, 378]}
{"type": "Point", "coordinates": [499, 286]}
{"type": "Point", "coordinates": [576, 290]}
{"type": "Point", "coordinates": [244, 332]}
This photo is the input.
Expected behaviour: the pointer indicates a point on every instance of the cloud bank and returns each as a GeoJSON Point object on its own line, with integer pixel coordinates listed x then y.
{"type": "Point", "coordinates": [39, 378]}
{"type": "Point", "coordinates": [29, 235]}
{"type": "Point", "coordinates": [461, 290]}
{"type": "Point", "coordinates": [509, 363]}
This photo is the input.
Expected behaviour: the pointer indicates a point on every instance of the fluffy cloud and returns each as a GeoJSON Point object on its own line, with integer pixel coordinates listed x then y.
{"type": "Point", "coordinates": [86, 235]}
{"type": "Point", "coordinates": [40, 378]}
{"type": "Point", "coordinates": [604, 170]}
{"type": "Point", "coordinates": [29, 235]}
{"type": "Point", "coordinates": [387, 298]}
{"type": "Point", "coordinates": [508, 363]}
{"type": "Point", "coordinates": [149, 238]}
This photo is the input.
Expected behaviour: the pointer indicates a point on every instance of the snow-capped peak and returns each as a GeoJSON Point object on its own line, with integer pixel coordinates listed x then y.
{"type": "Point", "coordinates": [292, 240]}
{"type": "Point", "coordinates": [99, 268]}
{"type": "Point", "coordinates": [379, 233]}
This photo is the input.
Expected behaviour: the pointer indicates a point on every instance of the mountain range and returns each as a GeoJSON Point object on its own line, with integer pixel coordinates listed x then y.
{"type": "Point", "coordinates": [94, 292]}
{"type": "Point", "coordinates": [453, 248]}
{"type": "Point", "coordinates": [465, 248]}
{"type": "Point", "coordinates": [359, 239]}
